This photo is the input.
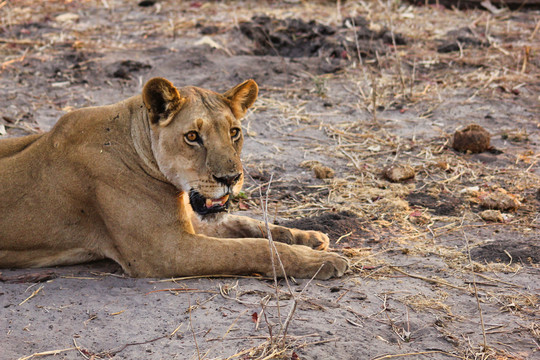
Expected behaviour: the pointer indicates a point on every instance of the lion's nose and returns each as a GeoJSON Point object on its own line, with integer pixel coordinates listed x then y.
{"type": "Point", "coordinates": [228, 180]}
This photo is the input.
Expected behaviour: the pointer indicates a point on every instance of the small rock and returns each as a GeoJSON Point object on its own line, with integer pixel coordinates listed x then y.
{"type": "Point", "coordinates": [492, 215]}
{"type": "Point", "coordinates": [471, 190]}
{"type": "Point", "coordinates": [359, 296]}
{"type": "Point", "coordinates": [67, 17]}
{"type": "Point", "coordinates": [473, 138]}
{"type": "Point", "coordinates": [323, 172]}
{"type": "Point", "coordinates": [398, 173]}
{"type": "Point", "coordinates": [499, 200]}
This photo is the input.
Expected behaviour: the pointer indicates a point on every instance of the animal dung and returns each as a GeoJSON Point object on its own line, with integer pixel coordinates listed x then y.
{"type": "Point", "coordinates": [399, 173]}
{"type": "Point", "coordinates": [499, 200]}
{"type": "Point", "coordinates": [309, 164]}
{"type": "Point", "coordinates": [473, 138]}
{"type": "Point", "coordinates": [320, 171]}
{"type": "Point", "coordinates": [492, 216]}
{"type": "Point", "coordinates": [323, 172]}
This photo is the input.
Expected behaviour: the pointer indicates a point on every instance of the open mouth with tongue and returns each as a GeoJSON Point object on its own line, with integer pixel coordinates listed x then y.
{"type": "Point", "coordinates": [204, 206]}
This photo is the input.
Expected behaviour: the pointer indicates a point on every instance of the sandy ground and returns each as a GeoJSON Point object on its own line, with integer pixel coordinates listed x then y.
{"type": "Point", "coordinates": [412, 292]}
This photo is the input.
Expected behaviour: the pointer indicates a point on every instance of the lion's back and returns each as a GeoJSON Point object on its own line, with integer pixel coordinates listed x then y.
{"type": "Point", "coordinates": [14, 145]}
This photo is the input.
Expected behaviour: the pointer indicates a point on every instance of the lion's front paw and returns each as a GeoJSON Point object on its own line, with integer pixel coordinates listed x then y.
{"type": "Point", "coordinates": [310, 263]}
{"type": "Point", "coordinates": [334, 265]}
{"type": "Point", "coordinates": [303, 262]}
{"type": "Point", "coordinates": [314, 239]}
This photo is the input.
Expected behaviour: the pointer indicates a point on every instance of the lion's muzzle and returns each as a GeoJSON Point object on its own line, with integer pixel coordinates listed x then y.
{"type": "Point", "coordinates": [204, 206]}
{"type": "Point", "coordinates": [229, 180]}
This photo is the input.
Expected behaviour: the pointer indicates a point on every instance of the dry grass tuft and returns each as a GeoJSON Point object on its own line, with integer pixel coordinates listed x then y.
{"type": "Point", "coordinates": [421, 302]}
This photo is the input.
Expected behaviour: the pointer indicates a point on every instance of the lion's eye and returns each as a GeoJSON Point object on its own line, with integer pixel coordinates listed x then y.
{"type": "Point", "coordinates": [235, 132]}
{"type": "Point", "coordinates": [192, 136]}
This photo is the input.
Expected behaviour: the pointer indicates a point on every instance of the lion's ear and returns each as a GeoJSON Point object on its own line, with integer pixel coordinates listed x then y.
{"type": "Point", "coordinates": [162, 100]}
{"type": "Point", "coordinates": [241, 97]}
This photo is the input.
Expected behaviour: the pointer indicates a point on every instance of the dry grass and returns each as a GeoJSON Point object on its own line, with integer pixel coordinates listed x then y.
{"type": "Point", "coordinates": [420, 302]}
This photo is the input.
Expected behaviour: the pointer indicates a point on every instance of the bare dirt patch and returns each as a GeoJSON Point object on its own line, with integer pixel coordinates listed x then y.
{"type": "Point", "coordinates": [338, 87]}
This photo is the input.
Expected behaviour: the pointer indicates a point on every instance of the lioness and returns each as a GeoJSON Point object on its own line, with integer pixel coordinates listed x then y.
{"type": "Point", "coordinates": [145, 182]}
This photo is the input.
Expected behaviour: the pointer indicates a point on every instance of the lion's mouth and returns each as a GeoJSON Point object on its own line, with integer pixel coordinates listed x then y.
{"type": "Point", "coordinates": [204, 206]}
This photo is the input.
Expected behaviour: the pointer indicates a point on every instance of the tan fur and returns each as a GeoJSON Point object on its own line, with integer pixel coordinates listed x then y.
{"type": "Point", "coordinates": [113, 182]}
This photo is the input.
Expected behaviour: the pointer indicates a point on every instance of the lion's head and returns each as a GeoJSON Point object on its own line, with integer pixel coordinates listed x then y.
{"type": "Point", "coordinates": [197, 139]}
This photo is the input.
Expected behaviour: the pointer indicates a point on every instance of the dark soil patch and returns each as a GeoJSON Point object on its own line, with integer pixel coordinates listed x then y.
{"type": "Point", "coordinates": [461, 39]}
{"type": "Point", "coordinates": [442, 205]}
{"type": "Point", "coordinates": [290, 38]}
{"type": "Point", "coordinates": [477, 4]}
{"type": "Point", "coordinates": [73, 66]}
{"type": "Point", "coordinates": [146, 3]}
{"type": "Point", "coordinates": [259, 175]}
{"type": "Point", "coordinates": [521, 251]}
{"type": "Point", "coordinates": [296, 38]}
{"type": "Point", "coordinates": [30, 31]}
{"type": "Point", "coordinates": [335, 225]}
{"type": "Point", "coordinates": [290, 191]}
{"type": "Point", "coordinates": [124, 69]}
{"type": "Point", "coordinates": [208, 29]}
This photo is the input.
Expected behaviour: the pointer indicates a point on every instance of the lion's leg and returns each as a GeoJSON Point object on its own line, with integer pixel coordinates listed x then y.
{"type": "Point", "coordinates": [45, 257]}
{"type": "Point", "coordinates": [166, 245]}
{"type": "Point", "coordinates": [233, 226]}
{"type": "Point", "coordinates": [201, 255]}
